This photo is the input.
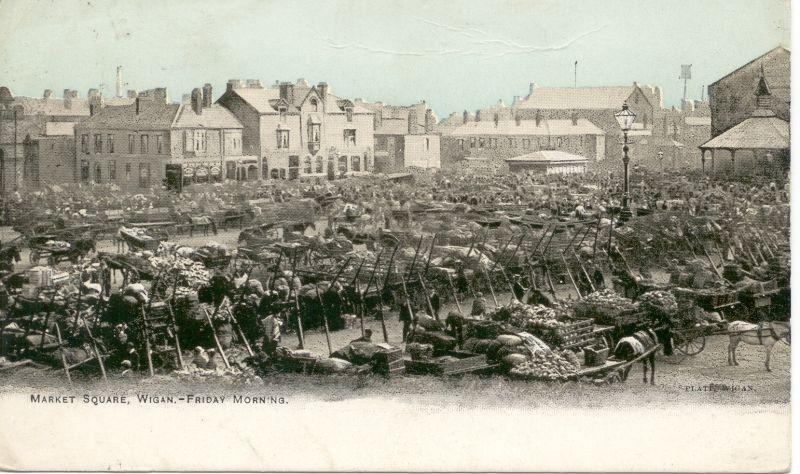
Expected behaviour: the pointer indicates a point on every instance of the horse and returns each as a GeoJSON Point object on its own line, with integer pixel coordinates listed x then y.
{"type": "Point", "coordinates": [637, 344]}
{"type": "Point", "coordinates": [765, 334]}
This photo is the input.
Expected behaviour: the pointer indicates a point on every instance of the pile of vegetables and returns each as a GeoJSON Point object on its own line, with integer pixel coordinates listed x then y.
{"type": "Point", "coordinates": [57, 244]}
{"type": "Point", "coordinates": [533, 318]}
{"type": "Point", "coordinates": [604, 302]}
{"type": "Point", "coordinates": [551, 366]}
{"type": "Point", "coordinates": [659, 303]}
{"type": "Point", "coordinates": [134, 231]}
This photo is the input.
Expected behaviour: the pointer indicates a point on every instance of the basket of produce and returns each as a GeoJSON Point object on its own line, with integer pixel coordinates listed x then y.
{"type": "Point", "coordinates": [659, 303]}
{"type": "Point", "coordinates": [549, 366]}
{"type": "Point", "coordinates": [604, 307]}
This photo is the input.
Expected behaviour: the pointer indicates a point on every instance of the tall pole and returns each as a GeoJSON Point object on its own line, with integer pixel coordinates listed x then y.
{"type": "Point", "coordinates": [626, 211]}
{"type": "Point", "coordinates": [16, 178]}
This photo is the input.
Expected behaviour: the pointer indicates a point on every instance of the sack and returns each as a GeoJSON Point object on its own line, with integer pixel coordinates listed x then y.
{"type": "Point", "coordinates": [515, 359]}
{"type": "Point", "coordinates": [331, 365]}
{"type": "Point", "coordinates": [509, 340]}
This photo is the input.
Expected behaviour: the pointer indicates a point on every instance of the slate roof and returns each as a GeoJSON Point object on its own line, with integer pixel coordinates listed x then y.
{"type": "Point", "coordinates": [756, 132]}
{"type": "Point", "coordinates": [53, 107]}
{"type": "Point", "coordinates": [583, 98]}
{"type": "Point", "coordinates": [215, 116]}
{"type": "Point", "coordinates": [152, 116]}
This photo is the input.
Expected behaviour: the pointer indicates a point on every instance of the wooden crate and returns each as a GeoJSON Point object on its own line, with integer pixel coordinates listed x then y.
{"type": "Point", "coordinates": [390, 362]}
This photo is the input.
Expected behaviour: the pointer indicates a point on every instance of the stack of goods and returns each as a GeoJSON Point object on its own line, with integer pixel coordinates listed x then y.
{"type": "Point", "coordinates": [551, 366]}
{"type": "Point", "coordinates": [547, 323]}
{"type": "Point", "coordinates": [57, 245]}
{"type": "Point", "coordinates": [191, 275]}
{"type": "Point", "coordinates": [604, 306]}
{"type": "Point", "coordinates": [659, 303]}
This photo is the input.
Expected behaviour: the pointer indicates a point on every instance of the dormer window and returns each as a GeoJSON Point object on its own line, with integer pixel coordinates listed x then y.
{"type": "Point", "coordinates": [282, 111]}
{"type": "Point", "coordinates": [349, 112]}
{"type": "Point", "coordinates": [314, 105]}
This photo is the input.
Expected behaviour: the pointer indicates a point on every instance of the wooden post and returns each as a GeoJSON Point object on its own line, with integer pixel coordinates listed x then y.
{"type": "Point", "coordinates": [410, 309]}
{"type": "Point", "coordinates": [430, 255]}
{"type": "Point", "coordinates": [510, 285]}
{"type": "Point", "coordinates": [414, 260]}
{"type": "Point", "coordinates": [569, 274]}
{"type": "Point", "coordinates": [489, 282]}
{"type": "Point", "coordinates": [596, 235]}
{"type": "Point", "coordinates": [175, 330]}
{"type": "Point", "coordinates": [583, 269]}
{"type": "Point", "coordinates": [427, 298]}
{"type": "Point", "coordinates": [216, 339]}
{"type": "Point", "coordinates": [500, 254]}
{"type": "Point", "coordinates": [63, 357]}
{"type": "Point", "coordinates": [455, 293]}
{"type": "Point", "coordinates": [610, 233]}
{"type": "Point", "coordinates": [47, 320]}
{"type": "Point", "coordinates": [325, 320]}
{"type": "Point", "coordinates": [147, 348]}
{"type": "Point", "coordinates": [236, 326]}
{"type": "Point", "coordinates": [96, 350]}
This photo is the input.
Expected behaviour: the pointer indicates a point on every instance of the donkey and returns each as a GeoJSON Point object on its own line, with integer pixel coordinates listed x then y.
{"type": "Point", "coordinates": [633, 346]}
{"type": "Point", "coordinates": [765, 334]}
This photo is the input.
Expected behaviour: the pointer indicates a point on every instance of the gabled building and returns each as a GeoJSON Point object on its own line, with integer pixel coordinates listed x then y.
{"type": "Point", "coordinates": [151, 142]}
{"type": "Point", "coordinates": [298, 130]}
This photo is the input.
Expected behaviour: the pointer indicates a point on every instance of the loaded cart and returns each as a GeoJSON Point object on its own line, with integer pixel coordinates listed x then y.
{"type": "Point", "coordinates": [137, 238]}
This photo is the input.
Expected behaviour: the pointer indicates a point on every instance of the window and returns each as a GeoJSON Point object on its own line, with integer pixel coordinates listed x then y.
{"type": "Point", "coordinates": [481, 142]}
{"type": "Point", "coordinates": [283, 138]}
{"type": "Point", "coordinates": [558, 142]}
{"type": "Point", "coordinates": [526, 143]}
{"type": "Point", "coordinates": [130, 144]}
{"type": "Point", "coordinates": [342, 164]}
{"type": "Point", "coordinates": [98, 173]}
{"type": "Point", "coordinates": [461, 144]}
{"type": "Point", "coordinates": [349, 137]}
{"type": "Point", "coordinates": [144, 175]}
{"type": "Point", "coordinates": [274, 174]}
{"type": "Point", "coordinates": [511, 143]}
{"type": "Point", "coordinates": [320, 164]}
{"type": "Point", "coordinates": [314, 105]}
{"type": "Point", "coordinates": [85, 168]}
{"type": "Point", "coordinates": [307, 165]}
{"type": "Point", "coordinates": [282, 173]}
{"type": "Point", "coordinates": [98, 143]}
{"type": "Point", "coordinates": [112, 170]}
{"type": "Point", "coordinates": [355, 164]}
{"type": "Point", "coordinates": [264, 170]}
{"type": "Point", "coordinates": [159, 144]}
{"type": "Point", "coordinates": [282, 112]}
{"type": "Point", "coordinates": [313, 132]}
{"type": "Point", "coordinates": [127, 171]}
{"type": "Point", "coordinates": [144, 141]}
{"type": "Point", "coordinates": [472, 142]}
{"type": "Point", "coordinates": [199, 137]}
{"type": "Point", "coordinates": [294, 167]}
{"type": "Point", "coordinates": [110, 143]}
{"type": "Point", "coordinates": [566, 142]}
{"type": "Point", "coordinates": [85, 144]}
{"type": "Point", "coordinates": [427, 144]}
{"type": "Point", "coordinates": [349, 112]}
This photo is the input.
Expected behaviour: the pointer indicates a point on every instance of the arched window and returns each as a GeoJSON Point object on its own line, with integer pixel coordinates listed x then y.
{"type": "Point", "coordinates": [98, 173]}
{"type": "Point", "coordinates": [314, 105]}
{"type": "Point", "coordinates": [320, 164]}
{"type": "Point", "coordinates": [307, 165]}
{"type": "Point", "coordinates": [355, 164]}
{"type": "Point", "coordinates": [342, 164]}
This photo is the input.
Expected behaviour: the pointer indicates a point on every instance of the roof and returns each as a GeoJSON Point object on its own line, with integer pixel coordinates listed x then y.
{"type": "Point", "coordinates": [548, 156]}
{"type": "Point", "coordinates": [392, 126]}
{"type": "Point", "coordinates": [611, 97]}
{"type": "Point", "coordinates": [41, 106]}
{"type": "Point", "coordinates": [698, 121]}
{"type": "Point", "coordinates": [59, 128]}
{"type": "Point", "coordinates": [773, 50]}
{"type": "Point", "coordinates": [112, 101]}
{"type": "Point", "coordinates": [261, 99]}
{"type": "Point", "coordinates": [215, 116]}
{"type": "Point", "coordinates": [151, 116]}
{"type": "Point", "coordinates": [528, 127]}
{"type": "Point", "coordinates": [770, 133]}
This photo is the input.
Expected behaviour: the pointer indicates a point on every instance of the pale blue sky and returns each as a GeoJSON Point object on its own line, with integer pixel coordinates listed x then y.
{"type": "Point", "coordinates": [456, 55]}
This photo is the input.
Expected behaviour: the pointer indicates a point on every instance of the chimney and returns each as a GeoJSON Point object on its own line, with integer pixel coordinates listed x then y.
{"type": "Point", "coordinates": [132, 93]}
{"type": "Point", "coordinates": [197, 101]}
{"type": "Point", "coordinates": [518, 120]}
{"type": "Point", "coordinates": [478, 115]}
{"type": "Point", "coordinates": [95, 100]}
{"type": "Point", "coordinates": [253, 84]}
{"type": "Point", "coordinates": [496, 120]}
{"type": "Point", "coordinates": [428, 119]}
{"type": "Point", "coordinates": [302, 82]}
{"type": "Point", "coordinates": [574, 119]}
{"type": "Point", "coordinates": [160, 95]}
{"type": "Point", "coordinates": [207, 97]}
{"type": "Point", "coordinates": [48, 94]}
{"type": "Point", "coordinates": [120, 84]}
{"type": "Point", "coordinates": [287, 92]}
{"type": "Point", "coordinates": [235, 84]}
{"type": "Point", "coordinates": [531, 88]}
{"type": "Point", "coordinates": [322, 87]}
{"type": "Point", "coordinates": [538, 118]}
{"type": "Point", "coordinates": [466, 116]}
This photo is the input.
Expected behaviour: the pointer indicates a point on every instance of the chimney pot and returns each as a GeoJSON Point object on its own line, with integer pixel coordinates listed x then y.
{"type": "Point", "coordinates": [132, 94]}
{"type": "Point", "coordinates": [48, 94]}
{"type": "Point", "coordinates": [322, 87]}
{"type": "Point", "coordinates": [207, 95]}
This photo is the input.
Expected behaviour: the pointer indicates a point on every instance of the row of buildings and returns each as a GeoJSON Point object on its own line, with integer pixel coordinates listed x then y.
{"type": "Point", "coordinates": [296, 130]}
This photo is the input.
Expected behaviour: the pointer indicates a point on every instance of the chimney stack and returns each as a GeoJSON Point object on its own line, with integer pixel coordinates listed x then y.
{"type": "Point", "coordinates": [531, 88]}
{"type": "Point", "coordinates": [95, 100]}
{"type": "Point", "coordinates": [287, 92]}
{"type": "Point", "coordinates": [496, 120]}
{"type": "Point", "coordinates": [322, 87]}
{"type": "Point", "coordinates": [132, 94]}
{"type": "Point", "coordinates": [69, 96]}
{"type": "Point", "coordinates": [207, 97]}
{"type": "Point", "coordinates": [197, 101]}
{"type": "Point", "coordinates": [574, 119]}
{"type": "Point", "coordinates": [48, 94]}
{"type": "Point", "coordinates": [466, 116]}
{"type": "Point", "coordinates": [478, 115]}
{"type": "Point", "coordinates": [253, 83]}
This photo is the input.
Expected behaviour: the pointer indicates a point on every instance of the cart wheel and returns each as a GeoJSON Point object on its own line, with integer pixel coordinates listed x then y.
{"type": "Point", "coordinates": [691, 347]}
{"type": "Point", "coordinates": [33, 256]}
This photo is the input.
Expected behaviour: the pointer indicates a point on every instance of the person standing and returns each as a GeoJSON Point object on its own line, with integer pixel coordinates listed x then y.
{"type": "Point", "coordinates": [272, 334]}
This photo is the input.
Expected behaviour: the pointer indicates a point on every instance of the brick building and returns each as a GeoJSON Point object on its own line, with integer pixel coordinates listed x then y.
{"type": "Point", "coordinates": [731, 97]}
{"type": "Point", "coordinates": [595, 104]}
{"type": "Point", "coordinates": [404, 137]}
{"type": "Point", "coordinates": [49, 158]}
{"type": "Point", "coordinates": [297, 130]}
{"type": "Point", "coordinates": [151, 142]}
{"type": "Point", "coordinates": [494, 142]}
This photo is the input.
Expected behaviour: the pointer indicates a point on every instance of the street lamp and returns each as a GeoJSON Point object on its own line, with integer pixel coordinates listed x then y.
{"type": "Point", "coordinates": [625, 118]}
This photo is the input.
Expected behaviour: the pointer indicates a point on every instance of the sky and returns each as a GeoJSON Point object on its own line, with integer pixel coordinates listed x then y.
{"type": "Point", "coordinates": [455, 55]}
